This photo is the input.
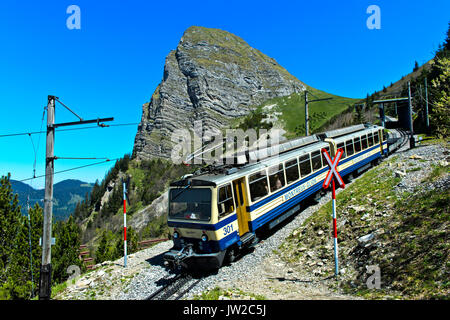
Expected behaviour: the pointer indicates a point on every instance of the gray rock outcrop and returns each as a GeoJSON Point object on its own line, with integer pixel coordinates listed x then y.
{"type": "Point", "coordinates": [214, 77]}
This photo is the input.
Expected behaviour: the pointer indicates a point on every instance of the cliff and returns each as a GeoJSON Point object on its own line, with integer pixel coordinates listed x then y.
{"type": "Point", "coordinates": [212, 76]}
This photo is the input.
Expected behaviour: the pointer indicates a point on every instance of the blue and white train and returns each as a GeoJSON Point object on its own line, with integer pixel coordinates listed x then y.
{"type": "Point", "coordinates": [214, 215]}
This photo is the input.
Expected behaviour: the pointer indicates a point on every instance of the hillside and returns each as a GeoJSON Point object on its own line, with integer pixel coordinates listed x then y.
{"type": "Point", "coordinates": [66, 195]}
{"type": "Point", "coordinates": [395, 217]}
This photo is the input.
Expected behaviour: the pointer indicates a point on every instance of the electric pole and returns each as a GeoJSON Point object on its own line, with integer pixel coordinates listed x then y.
{"type": "Point", "coordinates": [45, 287]}
{"type": "Point", "coordinates": [307, 111]}
{"type": "Point", "coordinates": [46, 267]}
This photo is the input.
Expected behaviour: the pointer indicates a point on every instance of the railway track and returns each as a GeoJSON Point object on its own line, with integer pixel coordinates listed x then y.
{"type": "Point", "coordinates": [175, 287]}
{"type": "Point", "coordinates": [402, 137]}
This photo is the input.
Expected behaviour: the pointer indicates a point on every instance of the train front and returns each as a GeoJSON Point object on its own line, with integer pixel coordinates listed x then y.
{"type": "Point", "coordinates": [191, 220]}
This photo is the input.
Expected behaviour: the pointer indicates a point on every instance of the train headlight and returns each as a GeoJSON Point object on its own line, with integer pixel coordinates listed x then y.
{"type": "Point", "coordinates": [176, 235]}
{"type": "Point", "coordinates": [204, 238]}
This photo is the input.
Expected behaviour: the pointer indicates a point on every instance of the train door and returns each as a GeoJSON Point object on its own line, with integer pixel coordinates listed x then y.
{"type": "Point", "coordinates": [380, 140]}
{"type": "Point", "coordinates": [241, 205]}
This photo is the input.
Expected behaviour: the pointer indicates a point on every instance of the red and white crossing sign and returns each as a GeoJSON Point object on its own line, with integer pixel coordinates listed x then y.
{"type": "Point", "coordinates": [332, 175]}
{"type": "Point", "coordinates": [333, 168]}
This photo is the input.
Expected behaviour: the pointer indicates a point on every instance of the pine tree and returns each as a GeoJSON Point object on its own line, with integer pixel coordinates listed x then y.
{"type": "Point", "coordinates": [101, 254]}
{"type": "Point", "coordinates": [36, 215]}
{"type": "Point", "coordinates": [19, 277]}
{"type": "Point", "coordinates": [10, 224]}
{"type": "Point", "coordinates": [17, 271]}
{"type": "Point", "coordinates": [439, 117]}
{"type": "Point", "coordinates": [359, 116]}
{"type": "Point", "coordinates": [65, 251]}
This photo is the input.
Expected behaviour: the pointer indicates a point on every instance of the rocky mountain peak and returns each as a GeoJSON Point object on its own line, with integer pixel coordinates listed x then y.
{"type": "Point", "coordinates": [213, 76]}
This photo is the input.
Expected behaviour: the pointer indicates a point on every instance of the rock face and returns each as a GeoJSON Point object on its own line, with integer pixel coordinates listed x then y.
{"type": "Point", "coordinates": [214, 77]}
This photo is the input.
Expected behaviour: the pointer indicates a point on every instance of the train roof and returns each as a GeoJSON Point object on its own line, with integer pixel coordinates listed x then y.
{"type": "Point", "coordinates": [366, 130]}
{"type": "Point", "coordinates": [217, 178]}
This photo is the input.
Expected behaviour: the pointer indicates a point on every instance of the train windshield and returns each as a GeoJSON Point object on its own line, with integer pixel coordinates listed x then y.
{"type": "Point", "coordinates": [192, 204]}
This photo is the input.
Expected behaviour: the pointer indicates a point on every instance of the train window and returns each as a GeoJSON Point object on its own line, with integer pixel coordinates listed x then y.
{"type": "Point", "coordinates": [384, 135]}
{"type": "Point", "coordinates": [341, 146]}
{"type": "Point", "coordinates": [305, 165]}
{"type": "Point", "coordinates": [258, 185]}
{"type": "Point", "coordinates": [376, 139]}
{"type": "Point", "coordinates": [364, 142]}
{"type": "Point", "coordinates": [349, 147]}
{"type": "Point", "coordinates": [291, 171]}
{"type": "Point", "coordinates": [357, 143]}
{"type": "Point", "coordinates": [370, 139]}
{"type": "Point", "coordinates": [225, 201]}
{"type": "Point", "coordinates": [276, 177]}
{"type": "Point", "coordinates": [316, 160]}
{"type": "Point", "coordinates": [192, 203]}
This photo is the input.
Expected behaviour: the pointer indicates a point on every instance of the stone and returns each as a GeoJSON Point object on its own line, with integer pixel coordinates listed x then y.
{"type": "Point", "coordinates": [399, 174]}
{"type": "Point", "coordinates": [101, 273]}
{"type": "Point", "coordinates": [364, 240]}
{"type": "Point", "coordinates": [357, 208]}
{"type": "Point", "coordinates": [82, 285]}
{"type": "Point", "coordinates": [443, 163]}
{"type": "Point", "coordinates": [317, 271]}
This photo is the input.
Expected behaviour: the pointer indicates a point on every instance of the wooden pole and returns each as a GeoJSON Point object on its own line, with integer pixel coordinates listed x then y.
{"type": "Point", "coordinates": [46, 267]}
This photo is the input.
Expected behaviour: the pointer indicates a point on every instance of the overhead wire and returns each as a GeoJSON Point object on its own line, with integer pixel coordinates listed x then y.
{"type": "Point", "coordinates": [71, 169]}
{"type": "Point", "coordinates": [72, 129]}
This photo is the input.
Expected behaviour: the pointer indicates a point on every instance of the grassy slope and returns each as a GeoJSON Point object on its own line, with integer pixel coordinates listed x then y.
{"type": "Point", "coordinates": [292, 110]}
{"type": "Point", "coordinates": [411, 245]}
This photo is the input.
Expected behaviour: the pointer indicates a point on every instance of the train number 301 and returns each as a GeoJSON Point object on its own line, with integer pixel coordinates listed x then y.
{"type": "Point", "coordinates": [228, 229]}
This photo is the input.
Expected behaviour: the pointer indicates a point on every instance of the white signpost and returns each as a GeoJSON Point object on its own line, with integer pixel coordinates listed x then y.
{"type": "Point", "coordinates": [333, 175]}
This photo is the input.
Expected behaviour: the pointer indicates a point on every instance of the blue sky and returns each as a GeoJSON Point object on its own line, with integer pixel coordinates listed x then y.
{"type": "Point", "coordinates": [112, 65]}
